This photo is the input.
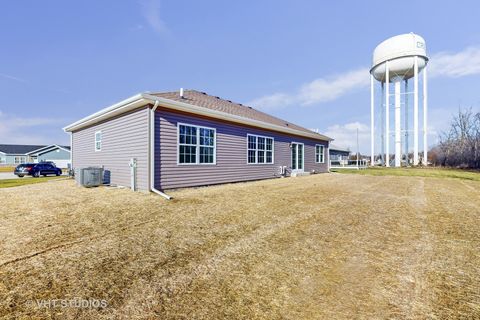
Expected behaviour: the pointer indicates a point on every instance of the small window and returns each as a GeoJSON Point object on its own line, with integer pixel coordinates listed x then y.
{"type": "Point", "coordinates": [259, 149]}
{"type": "Point", "coordinates": [319, 153]}
{"type": "Point", "coordinates": [98, 141]}
{"type": "Point", "coordinates": [19, 160]}
{"type": "Point", "coordinates": [196, 145]}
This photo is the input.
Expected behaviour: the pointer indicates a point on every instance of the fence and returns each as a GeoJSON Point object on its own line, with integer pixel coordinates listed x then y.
{"type": "Point", "coordinates": [348, 164]}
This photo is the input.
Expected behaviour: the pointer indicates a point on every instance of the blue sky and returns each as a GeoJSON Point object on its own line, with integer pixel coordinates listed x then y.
{"type": "Point", "coordinates": [63, 60]}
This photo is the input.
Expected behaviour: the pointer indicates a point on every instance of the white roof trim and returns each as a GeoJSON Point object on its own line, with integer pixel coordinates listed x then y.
{"type": "Point", "coordinates": [46, 149]}
{"type": "Point", "coordinates": [140, 100]}
{"type": "Point", "coordinates": [39, 149]}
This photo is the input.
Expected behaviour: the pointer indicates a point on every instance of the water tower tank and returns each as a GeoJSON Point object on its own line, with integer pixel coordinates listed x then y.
{"type": "Point", "coordinates": [400, 52]}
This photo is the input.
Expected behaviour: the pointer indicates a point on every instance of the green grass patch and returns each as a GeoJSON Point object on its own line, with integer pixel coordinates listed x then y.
{"type": "Point", "coordinates": [7, 169]}
{"type": "Point", "coordinates": [416, 172]}
{"type": "Point", "coordinates": [8, 183]}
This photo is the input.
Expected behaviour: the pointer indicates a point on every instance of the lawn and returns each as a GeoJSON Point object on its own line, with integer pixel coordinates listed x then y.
{"type": "Point", "coordinates": [416, 172]}
{"type": "Point", "coordinates": [327, 246]}
{"type": "Point", "coordinates": [8, 183]}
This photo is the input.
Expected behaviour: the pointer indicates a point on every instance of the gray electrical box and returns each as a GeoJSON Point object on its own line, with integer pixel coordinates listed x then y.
{"type": "Point", "coordinates": [90, 177]}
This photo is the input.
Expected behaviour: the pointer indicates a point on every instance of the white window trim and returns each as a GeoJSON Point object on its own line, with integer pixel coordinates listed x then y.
{"type": "Point", "coordinates": [22, 159]}
{"type": "Point", "coordinates": [197, 154]}
{"type": "Point", "coordinates": [256, 150]}
{"type": "Point", "coordinates": [323, 151]}
{"type": "Point", "coordinates": [303, 157]}
{"type": "Point", "coordinates": [95, 140]}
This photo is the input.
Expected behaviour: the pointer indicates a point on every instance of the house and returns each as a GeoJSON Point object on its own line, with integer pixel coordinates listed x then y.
{"type": "Point", "coordinates": [14, 154]}
{"type": "Point", "coordinates": [338, 153]}
{"type": "Point", "coordinates": [190, 138]}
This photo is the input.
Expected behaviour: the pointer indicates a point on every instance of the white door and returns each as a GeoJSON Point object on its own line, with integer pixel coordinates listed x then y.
{"type": "Point", "coordinates": [297, 157]}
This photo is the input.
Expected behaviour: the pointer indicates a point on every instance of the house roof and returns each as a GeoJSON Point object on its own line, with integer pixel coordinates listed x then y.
{"type": "Point", "coordinates": [200, 103]}
{"type": "Point", "coordinates": [24, 149]}
{"type": "Point", "coordinates": [204, 100]}
{"type": "Point", "coordinates": [48, 148]}
{"type": "Point", "coordinates": [18, 148]}
{"type": "Point", "coordinates": [337, 148]}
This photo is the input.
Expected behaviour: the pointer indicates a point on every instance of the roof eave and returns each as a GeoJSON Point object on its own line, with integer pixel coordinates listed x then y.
{"type": "Point", "coordinates": [47, 149]}
{"type": "Point", "coordinates": [143, 99]}
{"type": "Point", "coordinates": [186, 107]}
{"type": "Point", "coordinates": [118, 108]}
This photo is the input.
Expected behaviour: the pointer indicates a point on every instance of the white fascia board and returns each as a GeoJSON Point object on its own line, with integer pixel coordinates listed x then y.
{"type": "Point", "coordinates": [144, 99]}
{"type": "Point", "coordinates": [40, 149]}
{"type": "Point", "coordinates": [52, 147]}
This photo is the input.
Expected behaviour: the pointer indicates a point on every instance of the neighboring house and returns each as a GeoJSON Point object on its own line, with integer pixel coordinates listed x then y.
{"type": "Point", "coordinates": [191, 139]}
{"type": "Point", "coordinates": [337, 153]}
{"type": "Point", "coordinates": [11, 154]}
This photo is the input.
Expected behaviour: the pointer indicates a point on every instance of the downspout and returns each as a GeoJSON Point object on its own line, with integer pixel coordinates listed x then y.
{"type": "Point", "coordinates": [71, 155]}
{"type": "Point", "coordinates": [152, 152]}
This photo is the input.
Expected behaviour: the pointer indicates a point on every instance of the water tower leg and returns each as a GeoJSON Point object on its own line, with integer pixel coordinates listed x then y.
{"type": "Point", "coordinates": [387, 115]}
{"type": "Point", "coordinates": [415, 112]}
{"type": "Point", "coordinates": [372, 122]}
{"type": "Point", "coordinates": [382, 129]}
{"type": "Point", "coordinates": [425, 109]}
{"type": "Point", "coordinates": [406, 123]}
{"type": "Point", "coordinates": [398, 137]}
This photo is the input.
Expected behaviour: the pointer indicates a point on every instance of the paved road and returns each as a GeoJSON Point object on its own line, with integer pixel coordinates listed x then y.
{"type": "Point", "coordinates": [7, 175]}
{"type": "Point", "coordinates": [10, 175]}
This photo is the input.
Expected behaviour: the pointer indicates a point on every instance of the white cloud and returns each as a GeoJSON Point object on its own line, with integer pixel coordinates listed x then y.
{"type": "Point", "coordinates": [346, 136]}
{"type": "Point", "coordinates": [331, 88]}
{"type": "Point", "coordinates": [455, 65]}
{"type": "Point", "coordinates": [9, 77]}
{"type": "Point", "coordinates": [276, 100]}
{"type": "Point", "coordinates": [14, 129]}
{"type": "Point", "coordinates": [151, 13]}
{"type": "Point", "coordinates": [317, 91]}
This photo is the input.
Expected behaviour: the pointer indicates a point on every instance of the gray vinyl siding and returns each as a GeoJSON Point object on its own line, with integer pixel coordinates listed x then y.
{"type": "Point", "coordinates": [231, 157]}
{"type": "Point", "coordinates": [123, 138]}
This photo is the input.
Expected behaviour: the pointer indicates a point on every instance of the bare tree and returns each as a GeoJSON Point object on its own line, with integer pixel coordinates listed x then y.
{"type": "Point", "coordinates": [460, 146]}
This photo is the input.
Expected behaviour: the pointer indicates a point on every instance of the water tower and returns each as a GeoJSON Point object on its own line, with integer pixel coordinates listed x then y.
{"type": "Point", "coordinates": [396, 61]}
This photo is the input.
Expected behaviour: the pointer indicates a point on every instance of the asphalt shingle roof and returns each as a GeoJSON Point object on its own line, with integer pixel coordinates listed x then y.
{"type": "Point", "coordinates": [22, 149]}
{"type": "Point", "coordinates": [18, 148]}
{"type": "Point", "coordinates": [204, 100]}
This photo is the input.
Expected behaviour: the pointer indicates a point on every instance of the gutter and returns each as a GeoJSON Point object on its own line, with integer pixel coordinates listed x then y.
{"type": "Point", "coordinates": [151, 139]}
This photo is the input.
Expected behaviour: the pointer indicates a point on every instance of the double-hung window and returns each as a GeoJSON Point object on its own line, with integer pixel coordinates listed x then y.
{"type": "Point", "coordinates": [98, 141]}
{"type": "Point", "coordinates": [196, 145]}
{"type": "Point", "coordinates": [19, 159]}
{"type": "Point", "coordinates": [319, 153]}
{"type": "Point", "coordinates": [260, 149]}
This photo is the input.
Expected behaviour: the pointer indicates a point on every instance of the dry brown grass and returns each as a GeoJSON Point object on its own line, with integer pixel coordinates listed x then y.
{"type": "Point", "coordinates": [325, 246]}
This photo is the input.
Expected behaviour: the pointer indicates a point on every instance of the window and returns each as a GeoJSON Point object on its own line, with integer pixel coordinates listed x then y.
{"type": "Point", "coordinates": [260, 149]}
{"type": "Point", "coordinates": [19, 159]}
{"type": "Point", "coordinates": [98, 141]}
{"type": "Point", "coordinates": [319, 153]}
{"type": "Point", "coordinates": [196, 145]}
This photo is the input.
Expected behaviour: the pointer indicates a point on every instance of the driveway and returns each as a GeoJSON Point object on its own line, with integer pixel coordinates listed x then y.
{"type": "Point", "coordinates": [7, 175]}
